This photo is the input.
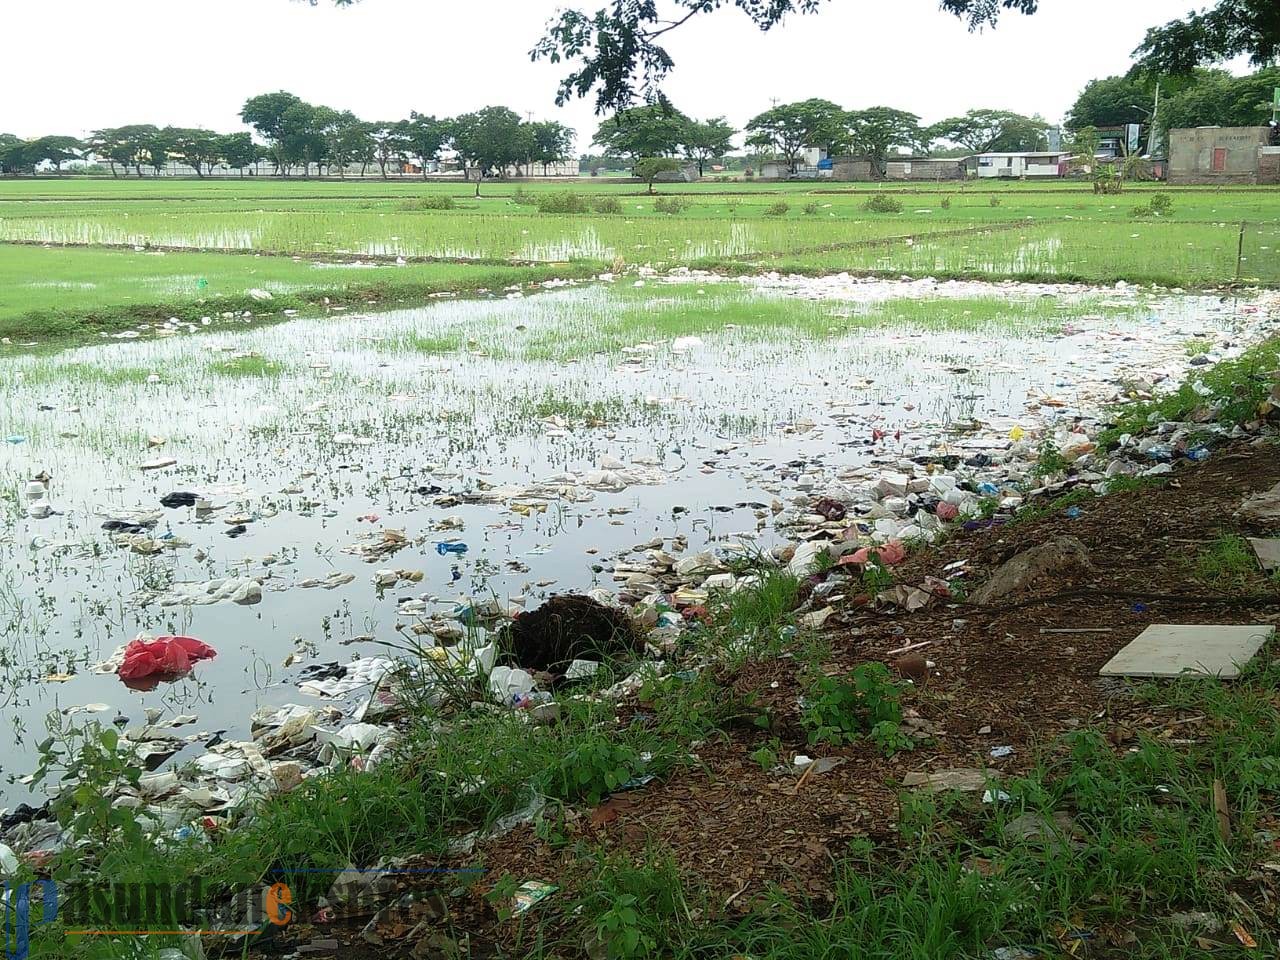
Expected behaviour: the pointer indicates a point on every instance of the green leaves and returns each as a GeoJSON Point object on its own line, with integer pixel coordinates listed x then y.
{"type": "Point", "coordinates": [593, 767]}
{"type": "Point", "coordinates": [865, 702]}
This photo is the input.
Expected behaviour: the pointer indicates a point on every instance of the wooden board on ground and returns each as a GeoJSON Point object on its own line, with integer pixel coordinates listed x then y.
{"type": "Point", "coordinates": [1174, 650]}
{"type": "Point", "coordinates": [1268, 553]}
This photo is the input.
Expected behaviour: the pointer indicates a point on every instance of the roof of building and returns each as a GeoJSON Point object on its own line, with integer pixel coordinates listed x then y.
{"type": "Point", "coordinates": [1029, 153]}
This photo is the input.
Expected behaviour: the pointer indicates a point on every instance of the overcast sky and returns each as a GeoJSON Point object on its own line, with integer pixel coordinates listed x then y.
{"type": "Point", "coordinates": [87, 64]}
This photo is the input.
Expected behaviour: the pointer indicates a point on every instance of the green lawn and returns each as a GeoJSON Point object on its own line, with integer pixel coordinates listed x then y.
{"type": "Point", "coordinates": [57, 292]}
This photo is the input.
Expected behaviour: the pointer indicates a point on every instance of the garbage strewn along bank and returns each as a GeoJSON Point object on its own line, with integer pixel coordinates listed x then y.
{"type": "Point", "coordinates": [853, 530]}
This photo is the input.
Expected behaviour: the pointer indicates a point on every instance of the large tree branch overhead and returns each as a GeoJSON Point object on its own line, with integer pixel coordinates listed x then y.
{"type": "Point", "coordinates": [618, 56]}
{"type": "Point", "coordinates": [1232, 28]}
{"type": "Point", "coordinates": [616, 53]}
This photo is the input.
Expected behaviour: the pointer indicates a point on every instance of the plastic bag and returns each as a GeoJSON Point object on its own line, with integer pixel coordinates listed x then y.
{"type": "Point", "coordinates": [163, 656]}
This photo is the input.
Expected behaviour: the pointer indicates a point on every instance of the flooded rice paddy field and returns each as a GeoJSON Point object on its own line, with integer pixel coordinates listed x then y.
{"type": "Point", "coordinates": [518, 444]}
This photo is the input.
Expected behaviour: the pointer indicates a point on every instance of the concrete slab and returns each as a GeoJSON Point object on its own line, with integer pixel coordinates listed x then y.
{"type": "Point", "coordinates": [1268, 553]}
{"type": "Point", "coordinates": [1174, 650]}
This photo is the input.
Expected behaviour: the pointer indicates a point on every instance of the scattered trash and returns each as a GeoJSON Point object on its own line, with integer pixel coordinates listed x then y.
{"type": "Point", "coordinates": [962, 779]}
{"type": "Point", "coordinates": [529, 894]}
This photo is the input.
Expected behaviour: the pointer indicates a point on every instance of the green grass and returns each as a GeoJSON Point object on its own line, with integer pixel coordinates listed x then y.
{"type": "Point", "coordinates": [1059, 232]}
{"type": "Point", "coordinates": [658, 315]}
{"type": "Point", "coordinates": [1227, 563]}
{"type": "Point", "coordinates": [250, 366]}
{"type": "Point", "coordinates": [53, 293]}
{"type": "Point", "coordinates": [432, 345]}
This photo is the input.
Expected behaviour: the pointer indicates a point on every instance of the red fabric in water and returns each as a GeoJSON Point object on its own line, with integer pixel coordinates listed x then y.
{"type": "Point", "coordinates": [163, 655]}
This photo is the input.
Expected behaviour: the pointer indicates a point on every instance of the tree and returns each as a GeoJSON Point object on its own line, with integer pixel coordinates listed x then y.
{"type": "Point", "coordinates": [490, 139]}
{"type": "Point", "coordinates": [132, 144]}
{"type": "Point", "coordinates": [654, 130]}
{"type": "Point", "coordinates": [13, 155]}
{"type": "Point", "coordinates": [705, 140]}
{"type": "Point", "coordinates": [1231, 28]}
{"type": "Point", "coordinates": [110, 145]}
{"type": "Point", "coordinates": [875, 131]}
{"type": "Point", "coordinates": [389, 145]}
{"type": "Point", "coordinates": [266, 114]}
{"type": "Point", "coordinates": [237, 151]}
{"type": "Point", "coordinates": [649, 169]}
{"type": "Point", "coordinates": [1111, 102]}
{"type": "Point", "coordinates": [423, 137]}
{"type": "Point", "coordinates": [346, 139]}
{"type": "Point", "coordinates": [196, 147]}
{"type": "Point", "coordinates": [987, 131]}
{"type": "Point", "coordinates": [54, 149]}
{"type": "Point", "coordinates": [617, 52]}
{"type": "Point", "coordinates": [787, 129]}
{"type": "Point", "coordinates": [302, 135]}
{"type": "Point", "coordinates": [155, 147]}
{"type": "Point", "coordinates": [1217, 97]}
{"type": "Point", "coordinates": [552, 141]}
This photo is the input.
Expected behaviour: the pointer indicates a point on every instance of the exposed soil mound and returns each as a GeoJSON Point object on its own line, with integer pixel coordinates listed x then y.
{"type": "Point", "coordinates": [567, 628]}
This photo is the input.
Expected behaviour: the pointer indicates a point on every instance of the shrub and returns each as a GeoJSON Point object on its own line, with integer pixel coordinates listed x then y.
{"type": "Point", "coordinates": [995, 201]}
{"type": "Point", "coordinates": [1160, 205]}
{"type": "Point", "coordinates": [523, 197]}
{"type": "Point", "coordinates": [777, 209]}
{"type": "Point", "coordinates": [670, 204]}
{"type": "Point", "coordinates": [945, 203]}
{"type": "Point", "coordinates": [566, 201]}
{"type": "Point", "coordinates": [562, 201]}
{"type": "Point", "coordinates": [866, 702]}
{"type": "Point", "coordinates": [436, 201]}
{"type": "Point", "coordinates": [882, 203]}
{"type": "Point", "coordinates": [810, 209]}
{"type": "Point", "coordinates": [1107, 181]}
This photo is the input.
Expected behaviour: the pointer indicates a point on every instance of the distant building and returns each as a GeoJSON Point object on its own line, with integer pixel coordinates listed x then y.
{"type": "Point", "coordinates": [861, 169]}
{"type": "Point", "coordinates": [1121, 140]}
{"type": "Point", "coordinates": [855, 169]}
{"type": "Point", "coordinates": [687, 173]}
{"type": "Point", "coordinates": [924, 168]}
{"type": "Point", "coordinates": [811, 163]}
{"type": "Point", "coordinates": [1224, 155]}
{"type": "Point", "coordinates": [1013, 166]}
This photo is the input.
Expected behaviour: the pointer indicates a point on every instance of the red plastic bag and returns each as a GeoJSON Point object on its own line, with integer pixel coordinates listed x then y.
{"type": "Point", "coordinates": [163, 656]}
{"type": "Point", "coordinates": [891, 553]}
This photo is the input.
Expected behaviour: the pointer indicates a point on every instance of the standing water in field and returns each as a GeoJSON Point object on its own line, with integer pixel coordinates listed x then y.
{"type": "Point", "coordinates": [293, 495]}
